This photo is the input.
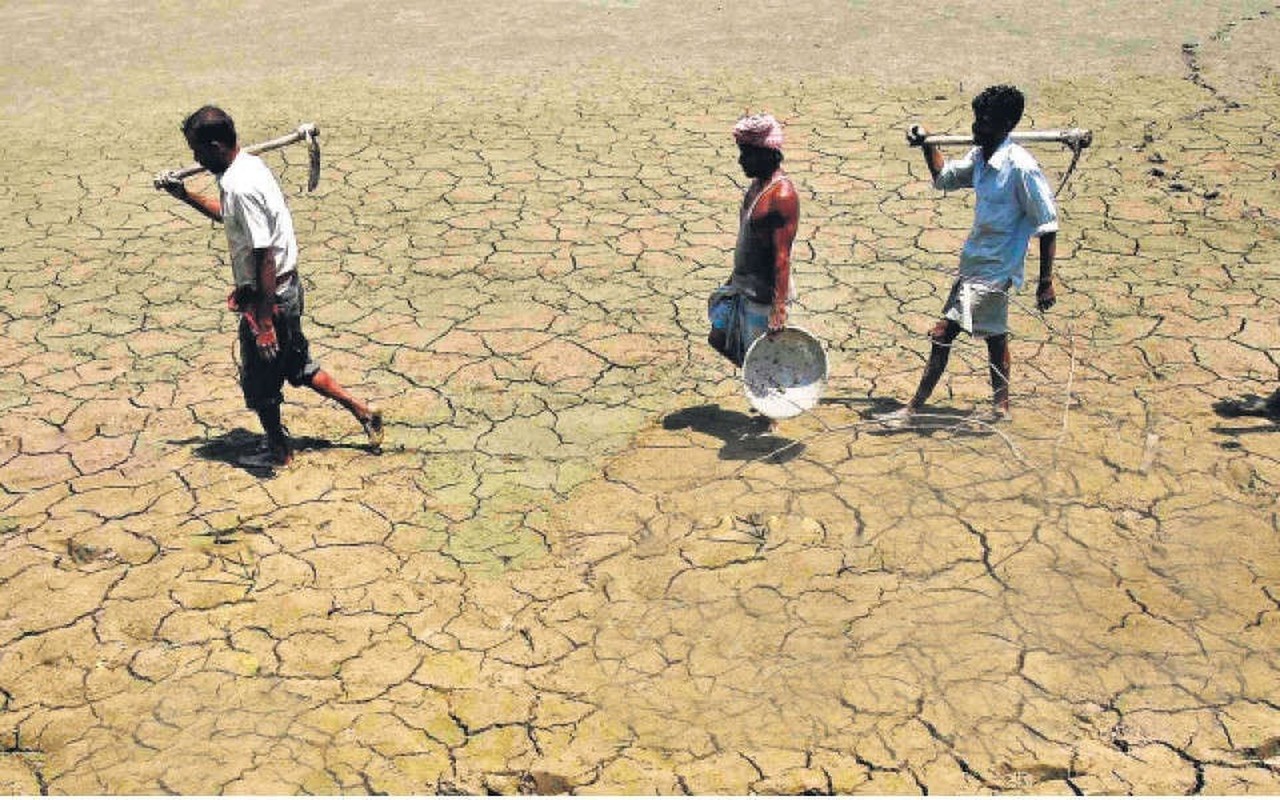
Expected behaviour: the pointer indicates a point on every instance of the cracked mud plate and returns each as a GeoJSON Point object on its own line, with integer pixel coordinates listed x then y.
{"type": "Point", "coordinates": [785, 374]}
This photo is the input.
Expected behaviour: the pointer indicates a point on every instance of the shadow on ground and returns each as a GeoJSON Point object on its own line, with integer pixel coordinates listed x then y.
{"type": "Point", "coordinates": [237, 443]}
{"type": "Point", "coordinates": [929, 421]}
{"type": "Point", "coordinates": [1244, 408]}
{"type": "Point", "coordinates": [745, 437]}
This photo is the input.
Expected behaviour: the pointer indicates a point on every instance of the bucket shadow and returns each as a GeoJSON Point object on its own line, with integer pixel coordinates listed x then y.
{"type": "Point", "coordinates": [230, 447]}
{"type": "Point", "coordinates": [745, 437]}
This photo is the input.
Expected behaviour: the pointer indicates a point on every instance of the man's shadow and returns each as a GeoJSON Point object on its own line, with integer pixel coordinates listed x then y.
{"type": "Point", "coordinates": [1248, 406]}
{"type": "Point", "coordinates": [745, 437]}
{"type": "Point", "coordinates": [929, 421]}
{"type": "Point", "coordinates": [237, 443]}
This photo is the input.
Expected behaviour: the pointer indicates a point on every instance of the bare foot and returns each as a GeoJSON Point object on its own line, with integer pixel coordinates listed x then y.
{"type": "Point", "coordinates": [373, 429]}
{"type": "Point", "coordinates": [269, 456]}
{"type": "Point", "coordinates": [896, 420]}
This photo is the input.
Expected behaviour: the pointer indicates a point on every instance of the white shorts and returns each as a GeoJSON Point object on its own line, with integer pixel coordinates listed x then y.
{"type": "Point", "coordinates": [980, 309]}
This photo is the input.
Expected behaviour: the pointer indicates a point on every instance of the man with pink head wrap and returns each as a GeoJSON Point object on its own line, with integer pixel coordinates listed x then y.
{"type": "Point", "coordinates": [754, 301]}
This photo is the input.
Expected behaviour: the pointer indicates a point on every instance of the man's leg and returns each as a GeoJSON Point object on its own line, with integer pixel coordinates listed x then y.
{"type": "Point", "coordinates": [941, 338]}
{"type": "Point", "coordinates": [998, 362]}
{"type": "Point", "coordinates": [278, 447]}
{"type": "Point", "coordinates": [302, 371]}
{"type": "Point", "coordinates": [260, 383]}
{"type": "Point", "coordinates": [754, 322]}
{"type": "Point", "coordinates": [370, 419]}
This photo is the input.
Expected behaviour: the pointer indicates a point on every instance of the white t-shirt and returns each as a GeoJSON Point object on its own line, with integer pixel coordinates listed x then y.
{"type": "Point", "coordinates": [255, 216]}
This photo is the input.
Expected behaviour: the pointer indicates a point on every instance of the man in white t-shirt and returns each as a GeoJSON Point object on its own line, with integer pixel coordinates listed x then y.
{"type": "Point", "coordinates": [268, 294]}
{"type": "Point", "coordinates": [1013, 204]}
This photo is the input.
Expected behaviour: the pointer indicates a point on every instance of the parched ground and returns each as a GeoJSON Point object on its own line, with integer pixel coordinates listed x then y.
{"type": "Point", "coordinates": [579, 565]}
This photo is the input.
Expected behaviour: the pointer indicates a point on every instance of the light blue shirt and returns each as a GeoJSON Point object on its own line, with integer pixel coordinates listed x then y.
{"type": "Point", "coordinates": [1014, 203]}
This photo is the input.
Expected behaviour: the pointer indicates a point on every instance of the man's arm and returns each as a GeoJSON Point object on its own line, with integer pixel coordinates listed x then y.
{"type": "Point", "coordinates": [1036, 199]}
{"type": "Point", "coordinates": [786, 205]}
{"type": "Point", "coordinates": [264, 308]}
{"type": "Point", "coordinates": [211, 207]}
{"type": "Point", "coordinates": [1045, 297]}
{"type": "Point", "coordinates": [932, 155]}
{"type": "Point", "coordinates": [933, 159]}
{"type": "Point", "coordinates": [946, 174]}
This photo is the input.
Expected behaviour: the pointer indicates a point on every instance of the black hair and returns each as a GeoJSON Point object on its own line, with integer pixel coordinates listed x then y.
{"type": "Point", "coordinates": [1003, 103]}
{"type": "Point", "coordinates": [209, 124]}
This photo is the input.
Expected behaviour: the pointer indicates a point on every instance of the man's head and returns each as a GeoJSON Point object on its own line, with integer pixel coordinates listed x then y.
{"type": "Point", "coordinates": [996, 112]}
{"type": "Point", "coordinates": [211, 135]}
{"type": "Point", "coordinates": [758, 162]}
{"type": "Point", "coordinates": [759, 139]}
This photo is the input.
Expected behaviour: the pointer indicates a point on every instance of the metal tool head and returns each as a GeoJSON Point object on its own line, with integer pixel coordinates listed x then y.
{"type": "Point", "coordinates": [311, 133]}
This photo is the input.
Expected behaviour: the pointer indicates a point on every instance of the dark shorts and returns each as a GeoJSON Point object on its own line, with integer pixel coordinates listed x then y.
{"type": "Point", "coordinates": [262, 381]}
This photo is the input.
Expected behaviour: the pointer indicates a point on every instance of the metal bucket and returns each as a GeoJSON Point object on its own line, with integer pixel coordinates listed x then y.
{"type": "Point", "coordinates": [784, 375]}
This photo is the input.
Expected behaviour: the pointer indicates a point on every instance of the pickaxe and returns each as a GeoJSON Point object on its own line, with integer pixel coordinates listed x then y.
{"type": "Point", "coordinates": [308, 132]}
{"type": "Point", "coordinates": [1075, 138]}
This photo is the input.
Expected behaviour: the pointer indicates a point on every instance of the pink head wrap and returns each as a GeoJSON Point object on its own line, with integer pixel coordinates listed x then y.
{"type": "Point", "coordinates": [759, 130]}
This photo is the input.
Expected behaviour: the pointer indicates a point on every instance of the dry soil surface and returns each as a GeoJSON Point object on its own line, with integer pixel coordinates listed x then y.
{"type": "Point", "coordinates": [579, 564]}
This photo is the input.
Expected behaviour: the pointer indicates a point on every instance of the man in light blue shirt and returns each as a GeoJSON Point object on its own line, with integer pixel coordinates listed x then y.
{"type": "Point", "coordinates": [1013, 204]}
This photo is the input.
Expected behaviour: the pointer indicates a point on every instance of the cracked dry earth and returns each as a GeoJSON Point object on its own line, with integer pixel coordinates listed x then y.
{"type": "Point", "coordinates": [579, 566]}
